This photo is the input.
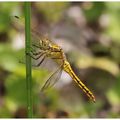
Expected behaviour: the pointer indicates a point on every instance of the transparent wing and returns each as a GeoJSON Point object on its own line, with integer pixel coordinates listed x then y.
{"type": "Point", "coordinates": [18, 23]}
{"type": "Point", "coordinates": [38, 55]}
{"type": "Point", "coordinates": [52, 79]}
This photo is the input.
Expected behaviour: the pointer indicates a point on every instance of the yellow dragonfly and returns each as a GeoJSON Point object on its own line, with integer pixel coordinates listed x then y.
{"type": "Point", "coordinates": [45, 48]}
{"type": "Point", "coordinates": [48, 49]}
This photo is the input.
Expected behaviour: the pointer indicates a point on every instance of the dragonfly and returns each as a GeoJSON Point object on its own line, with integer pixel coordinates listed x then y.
{"type": "Point", "coordinates": [46, 48]}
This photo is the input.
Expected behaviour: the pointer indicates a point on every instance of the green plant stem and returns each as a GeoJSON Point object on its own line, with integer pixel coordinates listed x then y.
{"type": "Point", "coordinates": [28, 59]}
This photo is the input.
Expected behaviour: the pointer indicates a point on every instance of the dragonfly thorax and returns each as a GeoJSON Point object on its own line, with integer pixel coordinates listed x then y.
{"type": "Point", "coordinates": [55, 48]}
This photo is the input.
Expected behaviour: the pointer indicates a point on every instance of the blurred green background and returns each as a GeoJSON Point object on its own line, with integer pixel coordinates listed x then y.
{"type": "Point", "coordinates": [89, 33]}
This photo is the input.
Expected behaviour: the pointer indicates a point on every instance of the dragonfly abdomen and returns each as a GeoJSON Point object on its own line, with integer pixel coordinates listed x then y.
{"type": "Point", "coordinates": [69, 70]}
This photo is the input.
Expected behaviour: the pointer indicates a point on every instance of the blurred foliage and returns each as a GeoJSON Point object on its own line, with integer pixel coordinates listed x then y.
{"type": "Point", "coordinates": [114, 16]}
{"type": "Point", "coordinates": [5, 11]}
{"type": "Point", "coordinates": [94, 56]}
{"type": "Point", "coordinates": [93, 11]}
{"type": "Point", "coordinates": [54, 10]}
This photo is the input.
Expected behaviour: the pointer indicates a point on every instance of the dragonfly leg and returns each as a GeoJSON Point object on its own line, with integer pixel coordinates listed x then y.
{"type": "Point", "coordinates": [41, 61]}
{"type": "Point", "coordinates": [35, 46]}
{"type": "Point", "coordinates": [56, 58]}
{"type": "Point", "coordinates": [34, 56]}
{"type": "Point", "coordinates": [36, 53]}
